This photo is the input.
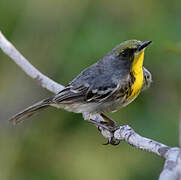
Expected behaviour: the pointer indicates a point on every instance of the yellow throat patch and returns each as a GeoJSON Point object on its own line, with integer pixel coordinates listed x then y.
{"type": "Point", "coordinates": [137, 71]}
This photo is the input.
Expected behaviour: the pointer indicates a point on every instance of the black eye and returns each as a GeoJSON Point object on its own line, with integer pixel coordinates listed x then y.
{"type": "Point", "coordinates": [124, 53]}
{"type": "Point", "coordinates": [127, 53]}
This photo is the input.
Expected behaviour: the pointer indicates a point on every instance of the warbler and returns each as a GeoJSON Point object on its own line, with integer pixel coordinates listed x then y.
{"type": "Point", "coordinates": [106, 86]}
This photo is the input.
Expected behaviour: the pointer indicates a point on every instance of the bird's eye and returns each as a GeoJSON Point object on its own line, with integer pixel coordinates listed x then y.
{"type": "Point", "coordinates": [124, 53]}
{"type": "Point", "coordinates": [127, 53]}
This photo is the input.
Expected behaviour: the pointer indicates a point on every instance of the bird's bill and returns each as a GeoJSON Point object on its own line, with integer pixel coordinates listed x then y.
{"type": "Point", "coordinates": [143, 45]}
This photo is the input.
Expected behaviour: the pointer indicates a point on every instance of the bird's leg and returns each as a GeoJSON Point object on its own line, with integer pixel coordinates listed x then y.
{"type": "Point", "coordinates": [111, 122]}
{"type": "Point", "coordinates": [103, 125]}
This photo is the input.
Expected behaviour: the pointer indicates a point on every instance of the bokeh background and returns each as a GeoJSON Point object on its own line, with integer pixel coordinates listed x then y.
{"type": "Point", "coordinates": [61, 38]}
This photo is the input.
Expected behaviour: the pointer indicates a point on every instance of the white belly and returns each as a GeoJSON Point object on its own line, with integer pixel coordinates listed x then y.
{"type": "Point", "coordinates": [92, 107]}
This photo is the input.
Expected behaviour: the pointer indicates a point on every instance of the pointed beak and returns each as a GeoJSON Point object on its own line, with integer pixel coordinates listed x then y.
{"type": "Point", "coordinates": [143, 45]}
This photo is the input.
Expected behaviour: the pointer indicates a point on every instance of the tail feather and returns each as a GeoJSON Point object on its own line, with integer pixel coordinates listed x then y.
{"type": "Point", "coordinates": [28, 112]}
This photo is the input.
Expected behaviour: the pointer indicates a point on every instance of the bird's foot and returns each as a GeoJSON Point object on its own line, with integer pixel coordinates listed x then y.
{"type": "Point", "coordinates": [107, 128]}
{"type": "Point", "coordinates": [111, 140]}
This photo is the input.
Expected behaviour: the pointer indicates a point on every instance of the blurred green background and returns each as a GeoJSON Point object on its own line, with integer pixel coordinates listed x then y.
{"type": "Point", "coordinates": [61, 38]}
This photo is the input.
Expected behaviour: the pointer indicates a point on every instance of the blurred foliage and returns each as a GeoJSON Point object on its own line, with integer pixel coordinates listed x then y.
{"type": "Point", "coordinates": [61, 38]}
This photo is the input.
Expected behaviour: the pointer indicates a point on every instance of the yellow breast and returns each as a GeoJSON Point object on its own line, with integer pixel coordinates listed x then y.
{"type": "Point", "coordinates": [137, 71]}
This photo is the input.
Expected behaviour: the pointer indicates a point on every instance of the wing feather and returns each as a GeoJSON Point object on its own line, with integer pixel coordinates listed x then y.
{"type": "Point", "coordinates": [95, 84]}
{"type": "Point", "coordinates": [82, 94]}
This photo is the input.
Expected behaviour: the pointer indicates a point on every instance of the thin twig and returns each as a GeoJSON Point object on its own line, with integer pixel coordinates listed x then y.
{"type": "Point", "coordinates": [29, 69]}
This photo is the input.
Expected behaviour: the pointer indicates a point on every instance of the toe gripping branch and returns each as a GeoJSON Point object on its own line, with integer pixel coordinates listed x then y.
{"type": "Point", "coordinates": [109, 133]}
{"type": "Point", "coordinates": [107, 128]}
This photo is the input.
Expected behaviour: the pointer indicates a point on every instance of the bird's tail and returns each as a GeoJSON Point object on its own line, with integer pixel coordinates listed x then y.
{"type": "Point", "coordinates": [28, 112]}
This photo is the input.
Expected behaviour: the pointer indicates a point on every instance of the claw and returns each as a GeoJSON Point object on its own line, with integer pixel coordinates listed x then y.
{"type": "Point", "coordinates": [106, 143]}
{"type": "Point", "coordinates": [112, 141]}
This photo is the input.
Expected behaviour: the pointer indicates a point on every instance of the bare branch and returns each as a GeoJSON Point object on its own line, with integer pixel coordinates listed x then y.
{"type": "Point", "coordinates": [172, 167]}
{"type": "Point", "coordinates": [127, 134]}
{"type": "Point", "coordinates": [30, 70]}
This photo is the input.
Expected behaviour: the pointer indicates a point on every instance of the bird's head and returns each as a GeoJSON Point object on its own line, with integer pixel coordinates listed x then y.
{"type": "Point", "coordinates": [128, 50]}
{"type": "Point", "coordinates": [131, 52]}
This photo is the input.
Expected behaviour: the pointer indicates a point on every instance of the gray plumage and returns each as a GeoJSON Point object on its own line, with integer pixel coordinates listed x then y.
{"type": "Point", "coordinates": [102, 87]}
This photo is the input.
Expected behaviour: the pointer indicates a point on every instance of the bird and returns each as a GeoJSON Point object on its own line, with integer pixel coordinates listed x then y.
{"type": "Point", "coordinates": [108, 85]}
